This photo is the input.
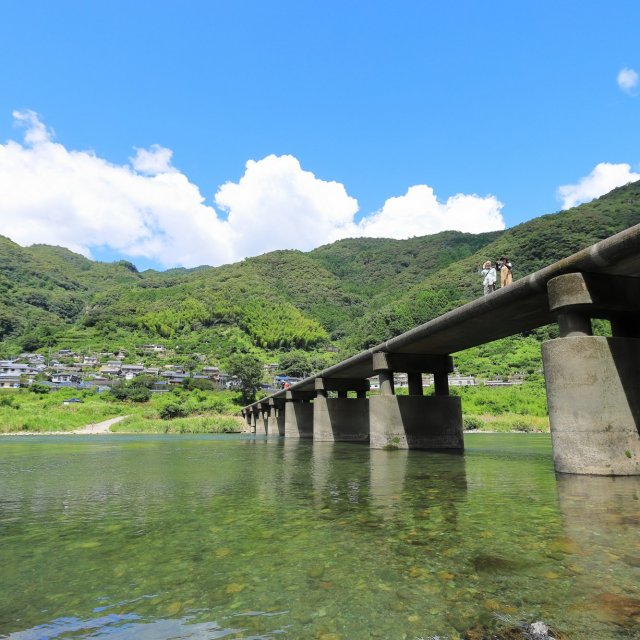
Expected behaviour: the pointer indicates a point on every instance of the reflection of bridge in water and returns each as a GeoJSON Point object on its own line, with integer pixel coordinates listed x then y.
{"type": "Point", "coordinates": [593, 382]}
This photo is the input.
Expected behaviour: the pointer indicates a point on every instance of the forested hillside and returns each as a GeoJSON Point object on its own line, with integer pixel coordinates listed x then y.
{"type": "Point", "coordinates": [329, 302]}
{"type": "Point", "coordinates": [530, 246]}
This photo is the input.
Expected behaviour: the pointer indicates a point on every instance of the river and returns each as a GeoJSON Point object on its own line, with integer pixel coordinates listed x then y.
{"type": "Point", "coordinates": [209, 537]}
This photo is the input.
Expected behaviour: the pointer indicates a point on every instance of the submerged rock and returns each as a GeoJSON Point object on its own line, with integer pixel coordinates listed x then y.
{"type": "Point", "coordinates": [617, 608]}
{"type": "Point", "coordinates": [521, 631]}
{"type": "Point", "coordinates": [489, 563]}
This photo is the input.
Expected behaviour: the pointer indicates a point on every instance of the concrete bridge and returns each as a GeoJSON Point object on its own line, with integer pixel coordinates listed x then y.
{"type": "Point", "coordinates": [593, 383]}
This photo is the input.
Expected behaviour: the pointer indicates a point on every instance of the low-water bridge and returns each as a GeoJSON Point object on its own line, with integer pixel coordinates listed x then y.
{"type": "Point", "coordinates": [592, 382]}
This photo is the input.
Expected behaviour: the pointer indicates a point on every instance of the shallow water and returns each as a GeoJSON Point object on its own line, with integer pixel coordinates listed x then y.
{"type": "Point", "coordinates": [227, 537]}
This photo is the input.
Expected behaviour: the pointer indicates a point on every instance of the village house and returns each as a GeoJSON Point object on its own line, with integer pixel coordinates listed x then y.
{"type": "Point", "coordinates": [456, 380]}
{"type": "Point", "coordinates": [32, 358]}
{"type": "Point", "coordinates": [99, 381]}
{"type": "Point", "coordinates": [153, 348]}
{"type": "Point", "coordinates": [509, 382]}
{"type": "Point", "coordinates": [175, 378]}
{"type": "Point", "coordinates": [65, 377]}
{"type": "Point", "coordinates": [174, 367]}
{"type": "Point", "coordinates": [110, 370]}
{"type": "Point", "coordinates": [130, 371]}
{"type": "Point", "coordinates": [9, 367]}
{"type": "Point", "coordinates": [8, 381]}
{"type": "Point", "coordinates": [212, 373]}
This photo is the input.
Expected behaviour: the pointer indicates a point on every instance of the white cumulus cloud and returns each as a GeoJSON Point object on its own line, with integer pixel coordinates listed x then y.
{"type": "Point", "coordinates": [604, 177]}
{"type": "Point", "coordinates": [278, 205]}
{"type": "Point", "coordinates": [149, 209]}
{"type": "Point", "coordinates": [51, 195]}
{"type": "Point", "coordinates": [153, 161]}
{"type": "Point", "coordinates": [628, 79]}
{"type": "Point", "coordinates": [419, 213]}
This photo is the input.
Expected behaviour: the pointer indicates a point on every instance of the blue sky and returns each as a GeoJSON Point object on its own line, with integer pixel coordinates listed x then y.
{"type": "Point", "coordinates": [181, 133]}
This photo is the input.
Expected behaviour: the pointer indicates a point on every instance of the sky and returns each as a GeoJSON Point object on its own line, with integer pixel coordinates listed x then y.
{"type": "Point", "coordinates": [179, 133]}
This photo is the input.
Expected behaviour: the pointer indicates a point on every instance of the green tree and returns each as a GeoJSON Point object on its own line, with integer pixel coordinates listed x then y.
{"type": "Point", "coordinates": [295, 363]}
{"type": "Point", "coordinates": [39, 388]}
{"type": "Point", "coordinates": [198, 383]}
{"type": "Point", "coordinates": [135, 390]}
{"type": "Point", "coordinates": [248, 370]}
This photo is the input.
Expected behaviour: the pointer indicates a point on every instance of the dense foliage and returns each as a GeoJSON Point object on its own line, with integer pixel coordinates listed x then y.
{"type": "Point", "coordinates": [248, 371]}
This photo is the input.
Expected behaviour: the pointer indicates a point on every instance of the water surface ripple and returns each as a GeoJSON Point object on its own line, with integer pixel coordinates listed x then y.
{"type": "Point", "coordinates": [205, 537]}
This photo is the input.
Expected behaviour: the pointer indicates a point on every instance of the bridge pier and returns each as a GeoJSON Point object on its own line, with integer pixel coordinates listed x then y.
{"type": "Point", "coordinates": [414, 421]}
{"type": "Point", "coordinates": [275, 421]}
{"type": "Point", "coordinates": [341, 419]}
{"type": "Point", "coordinates": [298, 414]}
{"type": "Point", "coordinates": [260, 420]}
{"type": "Point", "coordinates": [593, 382]}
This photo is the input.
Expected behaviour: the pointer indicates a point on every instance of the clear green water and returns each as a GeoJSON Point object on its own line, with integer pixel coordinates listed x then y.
{"type": "Point", "coordinates": [213, 537]}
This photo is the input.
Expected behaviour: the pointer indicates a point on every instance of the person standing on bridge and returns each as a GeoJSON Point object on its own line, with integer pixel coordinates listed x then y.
{"type": "Point", "coordinates": [505, 272]}
{"type": "Point", "coordinates": [489, 274]}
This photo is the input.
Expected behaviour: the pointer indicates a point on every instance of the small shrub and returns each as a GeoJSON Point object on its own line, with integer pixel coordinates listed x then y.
{"type": "Point", "coordinates": [227, 425]}
{"type": "Point", "coordinates": [520, 424]}
{"type": "Point", "coordinates": [219, 405]}
{"type": "Point", "coordinates": [40, 389]}
{"type": "Point", "coordinates": [471, 423]}
{"type": "Point", "coordinates": [173, 410]}
{"type": "Point", "coordinates": [7, 401]}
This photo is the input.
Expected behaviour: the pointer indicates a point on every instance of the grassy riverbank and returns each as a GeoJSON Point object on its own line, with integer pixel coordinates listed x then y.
{"type": "Point", "coordinates": [184, 412]}
{"type": "Point", "coordinates": [518, 408]}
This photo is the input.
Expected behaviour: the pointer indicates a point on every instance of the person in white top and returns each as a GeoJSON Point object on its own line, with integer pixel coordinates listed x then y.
{"type": "Point", "coordinates": [489, 274]}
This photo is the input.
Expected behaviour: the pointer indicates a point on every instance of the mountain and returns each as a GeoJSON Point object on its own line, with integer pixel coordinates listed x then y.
{"type": "Point", "coordinates": [331, 301]}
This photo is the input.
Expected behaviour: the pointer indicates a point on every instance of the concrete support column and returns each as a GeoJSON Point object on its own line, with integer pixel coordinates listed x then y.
{"type": "Point", "coordinates": [414, 421]}
{"type": "Point", "coordinates": [275, 423]}
{"type": "Point", "coordinates": [593, 395]}
{"type": "Point", "coordinates": [298, 414]}
{"type": "Point", "coordinates": [261, 420]}
{"type": "Point", "coordinates": [386, 383]}
{"type": "Point", "coordinates": [415, 384]}
{"type": "Point", "coordinates": [441, 383]}
{"type": "Point", "coordinates": [574, 324]}
{"type": "Point", "coordinates": [341, 419]}
{"type": "Point", "coordinates": [593, 382]}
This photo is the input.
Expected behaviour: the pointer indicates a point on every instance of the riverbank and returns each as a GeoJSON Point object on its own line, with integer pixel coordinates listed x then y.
{"type": "Point", "coordinates": [95, 428]}
{"type": "Point", "coordinates": [88, 412]}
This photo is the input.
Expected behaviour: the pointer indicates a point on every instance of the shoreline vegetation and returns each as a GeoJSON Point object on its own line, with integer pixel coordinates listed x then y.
{"type": "Point", "coordinates": [496, 410]}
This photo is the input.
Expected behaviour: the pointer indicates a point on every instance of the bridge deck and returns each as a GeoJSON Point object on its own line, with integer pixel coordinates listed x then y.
{"type": "Point", "coordinates": [521, 306]}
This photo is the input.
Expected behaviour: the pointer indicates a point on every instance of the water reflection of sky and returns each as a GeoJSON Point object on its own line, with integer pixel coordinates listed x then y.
{"type": "Point", "coordinates": [124, 627]}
